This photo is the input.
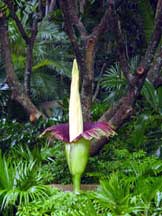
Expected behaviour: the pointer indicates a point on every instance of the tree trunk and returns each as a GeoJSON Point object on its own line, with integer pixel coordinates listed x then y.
{"type": "Point", "coordinates": [84, 48]}
{"type": "Point", "coordinates": [88, 76]}
{"type": "Point", "coordinates": [28, 69]}
{"type": "Point", "coordinates": [124, 108]}
{"type": "Point", "coordinates": [117, 115]}
{"type": "Point", "coordinates": [17, 90]}
{"type": "Point", "coordinates": [154, 74]}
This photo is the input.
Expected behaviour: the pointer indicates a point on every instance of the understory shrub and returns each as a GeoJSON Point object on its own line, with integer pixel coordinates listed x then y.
{"type": "Point", "coordinates": [118, 194]}
{"type": "Point", "coordinates": [13, 133]}
{"type": "Point", "coordinates": [130, 185]}
{"type": "Point", "coordinates": [21, 142]}
{"type": "Point", "coordinates": [64, 204]}
{"type": "Point", "coordinates": [142, 132]}
{"type": "Point", "coordinates": [20, 183]}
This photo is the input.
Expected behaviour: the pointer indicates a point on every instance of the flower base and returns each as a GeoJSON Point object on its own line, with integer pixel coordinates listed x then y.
{"type": "Point", "coordinates": [77, 158]}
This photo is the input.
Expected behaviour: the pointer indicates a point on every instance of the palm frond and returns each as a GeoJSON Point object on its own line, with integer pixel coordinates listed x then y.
{"type": "Point", "coordinates": [20, 182]}
{"type": "Point", "coordinates": [58, 66]}
{"type": "Point", "coordinates": [50, 31]}
{"type": "Point", "coordinates": [133, 63]}
{"type": "Point", "coordinates": [113, 78]}
{"type": "Point", "coordinates": [46, 87]}
{"type": "Point", "coordinates": [7, 174]}
{"type": "Point", "coordinates": [152, 95]}
{"type": "Point", "coordinates": [114, 193]}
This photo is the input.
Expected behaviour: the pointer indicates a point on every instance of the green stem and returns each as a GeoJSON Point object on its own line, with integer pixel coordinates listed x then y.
{"type": "Point", "coordinates": [76, 183]}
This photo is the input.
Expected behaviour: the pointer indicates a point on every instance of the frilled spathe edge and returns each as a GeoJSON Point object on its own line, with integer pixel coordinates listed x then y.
{"type": "Point", "coordinates": [92, 130]}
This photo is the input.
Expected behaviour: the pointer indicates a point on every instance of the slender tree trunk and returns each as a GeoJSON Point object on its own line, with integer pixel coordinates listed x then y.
{"type": "Point", "coordinates": [88, 77]}
{"type": "Point", "coordinates": [29, 57]}
{"type": "Point", "coordinates": [28, 69]}
{"type": "Point", "coordinates": [29, 40]}
{"type": "Point", "coordinates": [17, 90]}
{"type": "Point", "coordinates": [154, 74]}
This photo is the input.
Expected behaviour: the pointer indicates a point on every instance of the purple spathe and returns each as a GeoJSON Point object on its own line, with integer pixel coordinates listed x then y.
{"type": "Point", "coordinates": [90, 130]}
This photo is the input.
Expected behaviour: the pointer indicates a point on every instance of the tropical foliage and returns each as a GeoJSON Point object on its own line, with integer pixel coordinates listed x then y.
{"type": "Point", "coordinates": [136, 190]}
{"type": "Point", "coordinates": [127, 171]}
{"type": "Point", "coordinates": [20, 183]}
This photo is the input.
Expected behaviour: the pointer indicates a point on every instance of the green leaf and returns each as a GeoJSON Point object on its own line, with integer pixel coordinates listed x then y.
{"type": "Point", "coordinates": [148, 17]}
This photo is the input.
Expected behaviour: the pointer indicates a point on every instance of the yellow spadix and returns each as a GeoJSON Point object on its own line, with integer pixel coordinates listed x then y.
{"type": "Point", "coordinates": [75, 110]}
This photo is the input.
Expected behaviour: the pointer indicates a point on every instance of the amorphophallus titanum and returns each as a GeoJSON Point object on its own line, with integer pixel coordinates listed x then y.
{"type": "Point", "coordinates": [77, 135]}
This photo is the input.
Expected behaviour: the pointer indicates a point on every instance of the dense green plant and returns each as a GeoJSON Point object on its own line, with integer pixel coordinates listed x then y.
{"type": "Point", "coordinates": [114, 82]}
{"type": "Point", "coordinates": [153, 96]}
{"type": "Point", "coordinates": [57, 169]}
{"type": "Point", "coordinates": [20, 183]}
{"type": "Point", "coordinates": [143, 131]}
{"type": "Point", "coordinates": [98, 108]}
{"type": "Point", "coordinates": [113, 160]}
{"type": "Point", "coordinates": [135, 189]}
{"type": "Point", "coordinates": [14, 133]}
{"type": "Point", "coordinates": [64, 204]}
{"type": "Point", "coordinates": [115, 194]}
{"type": "Point", "coordinates": [124, 195]}
{"type": "Point", "coordinates": [147, 16]}
{"type": "Point", "coordinates": [131, 183]}
{"type": "Point", "coordinates": [21, 142]}
{"type": "Point", "coordinates": [51, 158]}
{"type": "Point", "coordinates": [146, 133]}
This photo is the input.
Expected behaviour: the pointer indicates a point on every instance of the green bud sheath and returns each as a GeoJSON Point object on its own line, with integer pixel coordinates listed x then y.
{"type": "Point", "coordinates": [77, 157]}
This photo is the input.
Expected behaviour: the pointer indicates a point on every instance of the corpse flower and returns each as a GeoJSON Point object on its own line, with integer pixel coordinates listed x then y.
{"type": "Point", "coordinates": [77, 135]}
